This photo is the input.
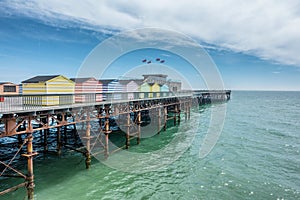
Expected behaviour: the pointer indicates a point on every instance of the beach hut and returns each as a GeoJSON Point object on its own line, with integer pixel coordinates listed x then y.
{"type": "Point", "coordinates": [145, 90]}
{"type": "Point", "coordinates": [164, 90]}
{"type": "Point", "coordinates": [155, 90]}
{"type": "Point", "coordinates": [111, 89]}
{"type": "Point", "coordinates": [48, 90]}
{"type": "Point", "coordinates": [131, 87]}
{"type": "Point", "coordinates": [87, 90]}
{"type": "Point", "coordinates": [8, 88]}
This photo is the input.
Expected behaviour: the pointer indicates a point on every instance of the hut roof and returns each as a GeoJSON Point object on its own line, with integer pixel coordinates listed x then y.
{"type": "Point", "coordinates": [2, 83]}
{"type": "Point", "coordinates": [38, 79]}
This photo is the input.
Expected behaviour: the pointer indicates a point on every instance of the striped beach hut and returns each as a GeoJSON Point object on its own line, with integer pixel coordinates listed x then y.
{"type": "Point", "coordinates": [87, 90]}
{"type": "Point", "coordinates": [48, 90]}
{"type": "Point", "coordinates": [111, 89]}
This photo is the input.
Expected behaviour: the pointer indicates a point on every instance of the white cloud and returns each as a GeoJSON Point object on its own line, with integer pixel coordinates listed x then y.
{"type": "Point", "coordinates": [264, 28]}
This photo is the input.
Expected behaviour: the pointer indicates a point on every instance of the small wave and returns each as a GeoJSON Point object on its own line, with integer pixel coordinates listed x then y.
{"type": "Point", "coordinates": [275, 132]}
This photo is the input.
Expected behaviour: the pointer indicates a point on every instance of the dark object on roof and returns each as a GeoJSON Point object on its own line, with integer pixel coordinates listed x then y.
{"type": "Point", "coordinates": [145, 60]}
{"type": "Point", "coordinates": [81, 80]}
{"type": "Point", "coordinates": [162, 61]}
{"type": "Point", "coordinates": [149, 62]}
{"type": "Point", "coordinates": [107, 81]}
{"type": "Point", "coordinates": [38, 79]}
{"type": "Point", "coordinates": [157, 59]}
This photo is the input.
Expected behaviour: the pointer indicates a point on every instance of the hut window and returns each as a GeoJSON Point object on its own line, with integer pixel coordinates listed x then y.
{"type": "Point", "coordinates": [9, 88]}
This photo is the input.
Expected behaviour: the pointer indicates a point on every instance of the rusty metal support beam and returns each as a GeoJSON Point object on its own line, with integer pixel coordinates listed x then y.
{"type": "Point", "coordinates": [58, 144]}
{"type": "Point", "coordinates": [29, 155]}
{"type": "Point", "coordinates": [88, 142]}
{"type": "Point", "coordinates": [159, 120]}
{"type": "Point", "coordinates": [178, 113]}
{"type": "Point", "coordinates": [139, 122]}
{"type": "Point", "coordinates": [165, 117]}
{"type": "Point", "coordinates": [174, 114]}
{"type": "Point", "coordinates": [128, 131]}
{"type": "Point", "coordinates": [107, 131]}
{"type": "Point", "coordinates": [14, 188]}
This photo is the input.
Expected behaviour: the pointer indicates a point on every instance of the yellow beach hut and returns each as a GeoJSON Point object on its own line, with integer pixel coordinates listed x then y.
{"type": "Point", "coordinates": [48, 90]}
{"type": "Point", "coordinates": [155, 90]}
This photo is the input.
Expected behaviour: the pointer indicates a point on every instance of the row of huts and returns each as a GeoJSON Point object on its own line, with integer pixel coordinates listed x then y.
{"type": "Point", "coordinates": [56, 89]}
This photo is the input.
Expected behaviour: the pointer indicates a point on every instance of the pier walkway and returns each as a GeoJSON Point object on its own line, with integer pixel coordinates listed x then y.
{"type": "Point", "coordinates": [25, 115]}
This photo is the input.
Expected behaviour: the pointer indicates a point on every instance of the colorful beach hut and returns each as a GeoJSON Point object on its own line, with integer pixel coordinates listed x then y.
{"type": "Point", "coordinates": [155, 90]}
{"type": "Point", "coordinates": [111, 89]}
{"type": "Point", "coordinates": [164, 90]}
{"type": "Point", "coordinates": [87, 90]}
{"type": "Point", "coordinates": [131, 87]}
{"type": "Point", "coordinates": [144, 89]}
{"type": "Point", "coordinates": [8, 88]}
{"type": "Point", "coordinates": [48, 90]}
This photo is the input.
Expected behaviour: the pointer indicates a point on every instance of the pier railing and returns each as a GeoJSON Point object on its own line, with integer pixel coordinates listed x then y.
{"type": "Point", "coordinates": [35, 102]}
{"type": "Point", "coordinates": [10, 104]}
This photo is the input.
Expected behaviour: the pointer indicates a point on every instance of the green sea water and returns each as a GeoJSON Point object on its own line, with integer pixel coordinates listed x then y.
{"type": "Point", "coordinates": [256, 157]}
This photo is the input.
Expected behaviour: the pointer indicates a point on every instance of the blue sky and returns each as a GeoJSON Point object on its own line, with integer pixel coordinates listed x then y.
{"type": "Point", "coordinates": [254, 45]}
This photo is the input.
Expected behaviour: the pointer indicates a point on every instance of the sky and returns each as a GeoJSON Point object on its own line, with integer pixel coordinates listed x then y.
{"type": "Point", "coordinates": [254, 44]}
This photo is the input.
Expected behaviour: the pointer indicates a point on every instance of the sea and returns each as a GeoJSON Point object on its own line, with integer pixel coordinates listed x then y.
{"type": "Point", "coordinates": [256, 156]}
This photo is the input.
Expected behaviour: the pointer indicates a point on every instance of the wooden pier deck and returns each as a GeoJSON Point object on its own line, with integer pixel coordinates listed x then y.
{"type": "Point", "coordinates": [26, 115]}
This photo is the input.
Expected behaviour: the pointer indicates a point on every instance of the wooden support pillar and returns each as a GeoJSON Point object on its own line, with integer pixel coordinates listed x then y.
{"type": "Point", "coordinates": [165, 117]}
{"type": "Point", "coordinates": [106, 132]}
{"type": "Point", "coordinates": [106, 153]}
{"type": "Point", "coordinates": [178, 113]}
{"type": "Point", "coordinates": [58, 146]}
{"type": "Point", "coordinates": [74, 131]}
{"type": "Point", "coordinates": [189, 110]}
{"type": "Point", "coordinates": [29, 155]}
{"type": "Point", "coordinates": [45, 141]}
{"type": "Point", "coordinates": [63, 121]}
{"type": "Point", "coordinates": [20, 140]}
{"type": "Point", "coordinates": [185, 111]}
{"type": "Point", "coordinates": [174, 113]}
{"type": "Point", "coordinates": [159, 120]}
{"type": "Point", "coordinates": [88, 142]}
{"type": "Point", "coordinates": [30, 177]}
{"type": "Point", "coordinates": [138, 140]}
{"type": "Point", "coordinates": [128, 131]}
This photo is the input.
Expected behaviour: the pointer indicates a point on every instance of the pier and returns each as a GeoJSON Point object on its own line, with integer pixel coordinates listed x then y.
{"type": "Point", "coordinates": [27, 116]}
